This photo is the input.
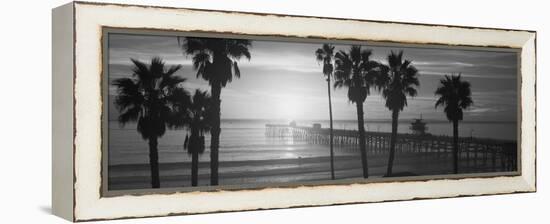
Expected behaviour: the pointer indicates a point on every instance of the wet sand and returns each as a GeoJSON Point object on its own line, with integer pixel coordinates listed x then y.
{"type": "Point", "coordinates": [282, 171]}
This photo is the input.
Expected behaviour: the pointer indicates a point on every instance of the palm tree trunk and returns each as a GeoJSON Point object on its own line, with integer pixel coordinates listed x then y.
{"type": "Point", "coordinates": [331, 135]}
{"type": "Point", "coordinates": [154, 162]}
{"type": "Point", "coordinates": [215, 132]}
{"type": "Point", "coordinates": [194, 168]}
{"type": "Point", "coordinates": [362, 145]}
{"type": "Point", "coordinates": [394, 123]}
{"type": "Point", "coordinates": [455, 146]}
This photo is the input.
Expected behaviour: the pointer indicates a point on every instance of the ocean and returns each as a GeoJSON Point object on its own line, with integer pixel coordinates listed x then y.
{"type": "Point", "coordinates": [245, 151]}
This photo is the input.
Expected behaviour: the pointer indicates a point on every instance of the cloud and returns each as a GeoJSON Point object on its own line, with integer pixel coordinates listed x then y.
{"type": "Point", "coordinates": [285, 70]}
{"type": "Point", "coordinates": [466, 75]}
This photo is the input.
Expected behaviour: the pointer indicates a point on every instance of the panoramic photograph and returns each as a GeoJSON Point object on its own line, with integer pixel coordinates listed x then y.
{"type": "Point", "coordinates": [187, 111]}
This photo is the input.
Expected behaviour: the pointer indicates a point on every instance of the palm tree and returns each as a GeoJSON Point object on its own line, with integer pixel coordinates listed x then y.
{"type": "Point", "coordinates": [325, 55]}
{"type": "Point", "coordinates": [198, 124]}
{"type": "Point", "coordinates": [216, 62]}
{"type": "Point", "coordinates": [401, 80]}
{"type": "Point", "coordinates": [147, 98]}
{"type": "Point", "coordinates": [455, 96]}
{"type": "Point", "coordinates": [359, 74]}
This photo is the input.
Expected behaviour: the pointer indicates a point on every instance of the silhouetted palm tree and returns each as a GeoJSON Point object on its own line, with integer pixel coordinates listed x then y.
{"type": "Point", "coordinates": [455, 96]}
{"type": "Point", "coordinates": [358, 73]}
{"type": "Point", "coordinates": [325, 55]}
{"type": "Point", "coordinates": [216, 62]}
{"type": "Point", "coordinates": [198, 124]}
{"type": "Point", "coordinates": [401, 80]}
{"type": "Point", "coordinates": [147, 98]}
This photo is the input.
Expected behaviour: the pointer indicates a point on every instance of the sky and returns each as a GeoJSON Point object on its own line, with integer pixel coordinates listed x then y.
{"type": "Point", "coordinates": [283, 80]}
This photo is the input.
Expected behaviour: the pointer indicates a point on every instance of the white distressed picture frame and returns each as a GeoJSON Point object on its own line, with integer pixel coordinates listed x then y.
{"type": "Point", "coordinates": [77, 102]}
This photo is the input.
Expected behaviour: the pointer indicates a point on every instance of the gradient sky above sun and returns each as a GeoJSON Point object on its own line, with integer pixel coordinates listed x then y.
{"type": "Point", "coordinates": [284, 81]}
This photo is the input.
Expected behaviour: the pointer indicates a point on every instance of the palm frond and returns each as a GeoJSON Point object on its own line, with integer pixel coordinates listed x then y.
{"type": "Point", "coordinates": [454, 95]}
{"type": "Point", "coordinates": [140, 70]}
{"type": "Point", "coordinates": [236, 70]}
{"type": "Point", "coordinates": [399, 78]}
{"type": "Point", "coordinates": [327, 69]}
{"type": "Point", "coordinates": [156, 68]}
{"type": "Point", "coordinates": [168, 78]}
{"type": "Point", "coordinates": [200, 58]}
{"type": "Point", "coordinates": [320, 55]}
{"type": "Point", "coordinates": [129, 115]}
{"type": "Point", "coordinates": [239, 48]}
{"type": "Point", "coordinates": [193, 45]}
{"type": "Point", "coordinates": [354, 70]}
{"type": "Point", "coordinates": [150, 97]}
{"type": "Point", "coordinates": [172, 70]}
{"type": "Point", "coordinates": [215, 58]}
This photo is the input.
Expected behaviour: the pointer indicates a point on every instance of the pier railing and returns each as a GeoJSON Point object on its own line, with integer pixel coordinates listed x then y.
{"type": "Point", "coordinates": [474, 153]}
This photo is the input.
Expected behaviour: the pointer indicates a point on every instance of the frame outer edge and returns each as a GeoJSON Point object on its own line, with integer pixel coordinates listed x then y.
{"type": "Point", "coordinates": [528, 182]}
{"type": "Point", "coordinates": [62, 111]}
{"type": "Point", "coordinates": [531, 75]}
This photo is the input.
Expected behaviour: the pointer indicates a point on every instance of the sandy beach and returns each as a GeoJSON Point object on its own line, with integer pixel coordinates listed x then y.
{"type": "Point", "coordinates": [280, 171]}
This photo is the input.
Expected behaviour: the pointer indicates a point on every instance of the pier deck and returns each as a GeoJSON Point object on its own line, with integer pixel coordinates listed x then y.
{"type": "Point", "coordinates": [476, 153]}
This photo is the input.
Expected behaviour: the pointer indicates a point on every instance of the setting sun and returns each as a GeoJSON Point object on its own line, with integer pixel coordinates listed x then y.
{"type": "Point", "coordinates": [289, 108]}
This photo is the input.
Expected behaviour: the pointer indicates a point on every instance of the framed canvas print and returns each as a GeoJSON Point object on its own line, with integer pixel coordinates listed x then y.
{"type": "Point", "coordinates": [165, 111]}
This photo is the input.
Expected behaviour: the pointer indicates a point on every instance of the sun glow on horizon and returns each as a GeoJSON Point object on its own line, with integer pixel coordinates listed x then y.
{"type": "Point", "coordinates": [289, 108]}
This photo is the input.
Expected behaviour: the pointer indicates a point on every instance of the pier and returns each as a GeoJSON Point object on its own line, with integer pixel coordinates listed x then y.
{"type": "Point", "coordinates": [477, 154]}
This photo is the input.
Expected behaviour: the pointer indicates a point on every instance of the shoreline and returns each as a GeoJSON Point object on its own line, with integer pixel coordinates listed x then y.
{"type": "Point", "coordinates": [281, 171]}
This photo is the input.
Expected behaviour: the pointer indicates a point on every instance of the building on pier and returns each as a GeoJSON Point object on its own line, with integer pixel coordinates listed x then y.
{"type": "Point", "coordinates": [418, 127]}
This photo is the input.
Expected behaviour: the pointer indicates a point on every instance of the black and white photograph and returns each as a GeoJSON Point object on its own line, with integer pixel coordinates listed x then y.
{"type": "Point", "coordinates": [185, 111]}
{"type": "Point", "coordinates": [275, 112]}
